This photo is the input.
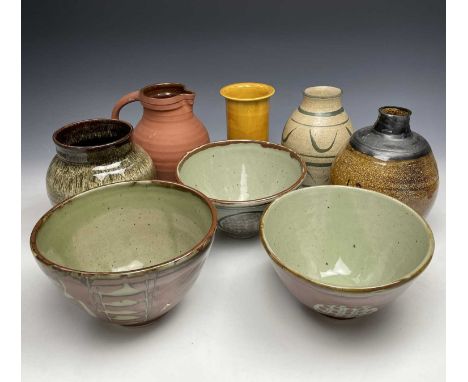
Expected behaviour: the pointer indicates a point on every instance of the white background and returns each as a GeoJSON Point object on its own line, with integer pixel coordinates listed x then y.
{"type": "Point", "coordinates": [238, 322]}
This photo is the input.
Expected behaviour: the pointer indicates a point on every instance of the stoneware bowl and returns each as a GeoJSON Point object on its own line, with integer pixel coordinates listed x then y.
{"type": "Point", "coordinates": [345, 252]}
{"type": "Point", "coordinates": [126, 252]}
{"type": "Point", "coordinates": [241, 177]}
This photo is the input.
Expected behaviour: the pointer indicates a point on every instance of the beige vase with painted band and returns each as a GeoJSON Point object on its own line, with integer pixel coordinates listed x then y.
{"type": "Point", "coordinates": [317, 130]}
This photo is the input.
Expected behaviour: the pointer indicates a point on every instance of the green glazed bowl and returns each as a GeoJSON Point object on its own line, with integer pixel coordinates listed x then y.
{"type": "Point", "coordinates": [345, 252]}
{"type": "Point", "coordinates": [241, 177]}
{"type": "Point", "coordinates": [126, 252]}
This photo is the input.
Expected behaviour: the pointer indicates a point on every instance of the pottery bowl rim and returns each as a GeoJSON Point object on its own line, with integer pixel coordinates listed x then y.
{"type": "Point", "coordinates": [265, 145]}
{"type": "Point", "coordinates": [197, 249]}
{"type": "Point", "coordinates": [76, 125]}
{"type": "Point", "coordinates": [269, 91]}
{"type": "Point", "coordinates": [314, 282]}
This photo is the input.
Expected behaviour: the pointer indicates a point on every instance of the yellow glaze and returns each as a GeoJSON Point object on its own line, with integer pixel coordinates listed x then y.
{"type": "Point", "coordinates": [247, 110]}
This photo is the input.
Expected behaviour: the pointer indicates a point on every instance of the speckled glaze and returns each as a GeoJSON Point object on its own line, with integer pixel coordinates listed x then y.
{"type": "Point", "coordinates": [345, 252]}
{"type": "Point", "coordinates": [241, 177]}
{"type": "Point", "coordinates": [93, 153]}
{"type": "Point", "coordinates": [317, 130]}
{"type": "Point", "coordinates": [168, 128]}
{"type": "Point", "coordinates": [247, 110]}
{"type": "Point", "coordinates": [126, 252]}
{"type": "Point", "coordinates": [389, 158]}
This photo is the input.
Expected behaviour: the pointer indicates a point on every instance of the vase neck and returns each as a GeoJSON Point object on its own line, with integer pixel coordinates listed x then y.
{"type": "Point", "coordinates": [93, 141]}
{"type": "Point", "coordinates": [321, 101]}
{"type": "Point", "coordinates": [393, 120]}
{"type": "Point", "coordinates": [390, 138]}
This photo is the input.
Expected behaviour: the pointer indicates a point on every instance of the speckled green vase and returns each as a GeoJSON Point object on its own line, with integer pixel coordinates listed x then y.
{"type": "Point", "coordinates": [93, 153]}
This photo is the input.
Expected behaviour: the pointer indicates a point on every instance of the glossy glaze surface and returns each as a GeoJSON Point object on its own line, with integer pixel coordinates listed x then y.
{"type": "Point", "coordinates": [240, 172]}
{"type": "Point", "coordinates": [317, 130]}
{"type": "Point", "coordinates": [247, 110]}
{"type": "Point", "coordinates": [168, 128]}
{"type": "Point", "coordinates": [358, 245]}
{"type": "Point", "coordinates": [242, 178]}
{"type": "Point", "coordinates": [120, 228]}
{"type": "Point", "coordinates": [93, 153]}
{"type": "Point", "coordinates": [127, 252]}
{"type": "Point", "coordinates": [391, 137]}
{"type": "Point", "coordinates": [389, 158]}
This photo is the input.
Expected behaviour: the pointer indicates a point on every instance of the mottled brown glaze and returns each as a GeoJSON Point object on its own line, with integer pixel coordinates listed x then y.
{"type": "Point", "coordinates": [414, 181]}
{"type": "Point", "coordinates": [168, 128]}
{"type": "Point", "coordinates": [93, 153]}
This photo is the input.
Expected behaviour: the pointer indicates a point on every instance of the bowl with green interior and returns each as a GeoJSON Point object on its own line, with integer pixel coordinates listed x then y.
{"type": "Point", "coordinates": [345, 252]}
{"type": "Point", "coordinates": [241, 177]}
{"type": "Point", "coordinates": [126, 252]}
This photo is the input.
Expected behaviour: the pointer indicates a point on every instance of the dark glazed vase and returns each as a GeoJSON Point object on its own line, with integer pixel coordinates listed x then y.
{"type": "Point", "coordinates": [168, 128]}
{"type": "Point", "coordinates": [390, 158]}
{"type": "Point", "coordinates": [93, 153]}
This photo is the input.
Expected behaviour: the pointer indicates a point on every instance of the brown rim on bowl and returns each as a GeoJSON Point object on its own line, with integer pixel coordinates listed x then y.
{"type": "Point", "coordinates": [198, 248]}
{"type": "Point", "coordinates": [124, 137]}
{"type": "Point", "coordinates": [264, 144]}
{"type": "Point", "coordinates": [402, 280]}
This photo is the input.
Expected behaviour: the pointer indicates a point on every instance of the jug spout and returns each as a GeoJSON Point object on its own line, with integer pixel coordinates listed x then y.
{"type": "Point", "coordinates": [168, 128]}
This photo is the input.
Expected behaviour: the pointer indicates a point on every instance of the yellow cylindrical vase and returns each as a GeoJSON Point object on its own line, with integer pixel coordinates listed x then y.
{"type": "Point", "coordinates": [247, 110]}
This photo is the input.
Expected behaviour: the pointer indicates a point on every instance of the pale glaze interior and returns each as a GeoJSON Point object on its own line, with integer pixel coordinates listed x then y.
{"type": "Point", "coordinates": [124, 227]}
{"type": "Point", "coordinates": [240, 171]}
{"type": "Point", "coordinates": [346, 237]}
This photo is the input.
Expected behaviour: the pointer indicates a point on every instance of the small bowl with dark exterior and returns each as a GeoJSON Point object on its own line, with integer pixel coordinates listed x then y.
{"type": "Point", "coordinates": [93, 153]}
{"type": "Point", "coordinates": [345, 252]}
{"type": "Point", "coordinates": [241, 177]}
{"type": "Point", "coordinates": [126, 252]}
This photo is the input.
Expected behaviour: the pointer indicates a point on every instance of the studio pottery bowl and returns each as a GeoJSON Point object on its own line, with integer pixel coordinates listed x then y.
{"type": "Point", "coordinates": [241, 177]}
{"type": "Point", "coordinates": [126, 252]}
{"type": "Point", "coordinates": [345, 252]}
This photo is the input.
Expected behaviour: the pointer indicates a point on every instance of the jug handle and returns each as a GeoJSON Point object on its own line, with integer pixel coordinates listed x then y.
{"type": "Point", "coordinates": [126, 99]}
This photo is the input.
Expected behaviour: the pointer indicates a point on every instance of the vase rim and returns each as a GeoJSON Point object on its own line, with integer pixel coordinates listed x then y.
{"type": "Point", "coordinates": [121, 137]}
{"type": "Point", "coordinates": [395, 111]}
{"type": "Point", "coordinates": [247, 91]}
{"type": "Point", "coordinates": [323, 92]}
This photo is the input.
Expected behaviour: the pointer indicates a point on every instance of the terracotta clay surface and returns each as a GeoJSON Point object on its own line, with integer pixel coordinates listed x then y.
{"type": "Point", "coordinates": [168, 128]}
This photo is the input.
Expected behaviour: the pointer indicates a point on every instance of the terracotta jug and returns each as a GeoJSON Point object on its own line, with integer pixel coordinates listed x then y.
{"type": "Point", "coordinates": [168, 128]}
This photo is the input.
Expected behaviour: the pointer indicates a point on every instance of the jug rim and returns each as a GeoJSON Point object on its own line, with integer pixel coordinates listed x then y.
{"type": "Point", "coordinates": [179, 92]}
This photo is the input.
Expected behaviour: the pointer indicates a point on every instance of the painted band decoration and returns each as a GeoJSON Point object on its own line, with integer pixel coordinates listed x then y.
{"type": "Point", "coordinates": [318, 129]}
